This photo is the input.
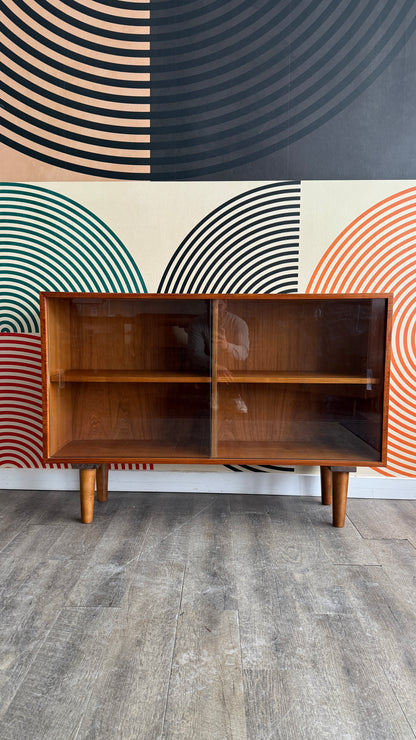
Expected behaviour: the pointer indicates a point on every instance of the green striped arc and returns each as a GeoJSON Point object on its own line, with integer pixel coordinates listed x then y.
{"type": "Point", "coordinates": [27, 272]}
{"type": "Point", "coordinates": [22, 194]}
{"type": "Point", "coordinates": [67, 239]}
{"type": "Point", "coordinates": [16, 318]}
{"type": "Point", "coordinates": [49, 242]}
{"type": "Point", "coordinates": [26, 257]}
{"type": "Point", "coordinates": [90, 229]}
{"type": "Point", "coordinates": [85, 234]}
{"type": "Point", "coordinates": [19, 311]}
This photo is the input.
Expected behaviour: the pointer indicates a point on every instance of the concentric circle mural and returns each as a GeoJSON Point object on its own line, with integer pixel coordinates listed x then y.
{"type": "Point", "coordinates": [49, 242]}
{"type": "Point", "coordinates": [158, 90]}
{"type": "Point", "coordinates": [21, 425]}
{"type": "Point", "coordinates": [259, 468]}
{"type": "Point", "coordinates": [377, 253]}
{"type": "Point", "coordinates": [250, 244]}
{"type": "Point", "coordinates": [20, 401]}
{"type": "Point", "coordinates": [234, 81]}
{"type": "Point", "coordinates": [76, 85]}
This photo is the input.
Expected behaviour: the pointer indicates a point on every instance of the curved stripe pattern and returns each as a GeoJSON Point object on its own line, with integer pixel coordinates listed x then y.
{"type": "Point", "coordinates": [233, 80]}
{"type": "Point", "coordinates": [49, 242]}
{"type": "Point", "coordinates": [21, 402]}
{"type": "Point", "coordinates": [132, 466]}
{"type": "Point", "coordinates": [377, 253]}
{"type": "Point", "coordinates": [21, 427]}
{"type": "Point", "coordinates": [259, 468]}
{"type": "Point", "coordinates": [76, 85]}
{"type": "Point", "coordinates": [250, 244]}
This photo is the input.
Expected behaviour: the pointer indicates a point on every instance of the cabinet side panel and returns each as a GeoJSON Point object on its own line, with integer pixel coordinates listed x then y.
{"type": "Point", "coordinates": [58, 337]}
{"type": "Point", "coordinates": [386, 389]}
{"type": "Point", "coordinates": [60, 417]}
{"type": "Point", "coordinates": [376, 360]}
{"type": "Point", "coordinates": [45, 375]}
{"type": "Point", "coordinates": [214, 379]}
{"type": "Point", "coordinates": [58, 334]}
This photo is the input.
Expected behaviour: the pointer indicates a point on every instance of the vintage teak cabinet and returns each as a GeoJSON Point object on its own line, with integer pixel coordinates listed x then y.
{"type": "Point", "coordinates": [217, 379]}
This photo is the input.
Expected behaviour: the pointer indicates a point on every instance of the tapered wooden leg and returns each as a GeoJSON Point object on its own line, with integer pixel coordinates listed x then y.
{"type": "Point", "coordinates": [340, 492]}
{"type": "Point", "coordinates": [326, 485]}
{"type": "Point", "coordinates": [102, 483]}
{"type": "Point", "coordinates": [87, 491]}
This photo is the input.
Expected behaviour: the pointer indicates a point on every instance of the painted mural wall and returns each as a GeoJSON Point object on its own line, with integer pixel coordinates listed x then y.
{"type": "Point", "coordinates": [205, 146]}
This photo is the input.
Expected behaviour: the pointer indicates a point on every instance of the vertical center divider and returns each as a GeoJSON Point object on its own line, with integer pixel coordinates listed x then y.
{"type": "Point", "coordinates": [214, 379]}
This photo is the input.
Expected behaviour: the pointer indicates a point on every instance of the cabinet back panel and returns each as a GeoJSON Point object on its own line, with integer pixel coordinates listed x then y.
{"type": "Point", "coordinates": [261, 413]}
{"type": "Point", "coordinates": [249, 412]}
{"type": "Point", "coordinates": [274, 337]}
{"type": "Point", "coordinates": [131, 335]}
{"type": "Point", "coordinates": [104, 343]}
{"type": "Point", "coordinates": [311, 335]}
{"type": "Point", "coordinates": [148, 412]}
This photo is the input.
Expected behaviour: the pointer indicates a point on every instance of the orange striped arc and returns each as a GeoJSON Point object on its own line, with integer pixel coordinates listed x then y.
{"type": "Point", "coordinates": [377, 253]}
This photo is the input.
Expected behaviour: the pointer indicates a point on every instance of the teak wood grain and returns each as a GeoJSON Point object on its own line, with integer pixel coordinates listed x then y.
{"type": "Point", "coordinates": [126, 376]}
{"type": "Point", "coordinates": [297, 377]}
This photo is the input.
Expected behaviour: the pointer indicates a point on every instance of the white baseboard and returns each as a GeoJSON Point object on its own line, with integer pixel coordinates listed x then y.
{"type": "Point", "coordinates": [284, 484]}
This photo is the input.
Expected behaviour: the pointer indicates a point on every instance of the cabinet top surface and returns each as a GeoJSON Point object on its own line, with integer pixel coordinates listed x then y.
{"type": "Point", "coordinates": [215, 296]}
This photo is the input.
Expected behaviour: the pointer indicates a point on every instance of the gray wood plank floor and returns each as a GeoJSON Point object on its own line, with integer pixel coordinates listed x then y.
{"type": "Point", "coordinates": [206, 617]}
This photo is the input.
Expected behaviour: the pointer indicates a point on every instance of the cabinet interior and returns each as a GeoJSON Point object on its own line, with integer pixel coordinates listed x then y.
{"type": "Point", "coordinates": [297, 379]}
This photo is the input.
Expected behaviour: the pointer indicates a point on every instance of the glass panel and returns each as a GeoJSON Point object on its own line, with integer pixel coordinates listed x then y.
{"type": "Point", "coordinates": [308, 335]}
{"type": "Point", "coordinates": [125, 381]}
{"type": "Point", "coordinates": [141, 334]}
{"type": "Point", "coordinates": [231, 378]}
{"type": "Point", "coordinates": [291, 421]}
{"type": "Point", "coordinates": [310, 384]}
{"type": "Point", "coordinates": [139, 420]}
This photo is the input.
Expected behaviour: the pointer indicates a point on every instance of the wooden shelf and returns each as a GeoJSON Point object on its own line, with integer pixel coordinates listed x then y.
{"type": "Point", "coordinates": [126, 376]}
{"type": "Point", "coordinates": [126, 450]}
{"type": "Point", "coordinates": [310, 444]}
{"type": "Point", "coordinates": [297, 377]}
{"type": "Point", "coordinates": [336, 445]}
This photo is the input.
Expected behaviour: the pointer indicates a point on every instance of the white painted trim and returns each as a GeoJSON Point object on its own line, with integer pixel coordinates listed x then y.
{"type": "Point", "coordinates": [286, 484]}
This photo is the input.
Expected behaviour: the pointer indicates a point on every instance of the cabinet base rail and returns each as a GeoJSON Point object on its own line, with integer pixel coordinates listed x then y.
{"type": "Point", "coordinates": [334, 489]}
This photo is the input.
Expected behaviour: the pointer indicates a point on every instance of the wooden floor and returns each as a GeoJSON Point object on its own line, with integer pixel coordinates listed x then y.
{"type": "Point", "coordinates": [206, 617]}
